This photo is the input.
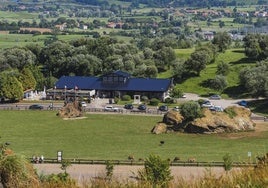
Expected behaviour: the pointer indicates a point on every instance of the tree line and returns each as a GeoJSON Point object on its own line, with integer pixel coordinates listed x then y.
{"type": "Point", "coordinates": [35, 66]}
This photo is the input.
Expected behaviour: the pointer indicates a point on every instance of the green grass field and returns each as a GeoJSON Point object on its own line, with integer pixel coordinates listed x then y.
{"type": "Point", "coordinates": [116, 137]}
{"type": "Point", "coordinates": [236, 60]}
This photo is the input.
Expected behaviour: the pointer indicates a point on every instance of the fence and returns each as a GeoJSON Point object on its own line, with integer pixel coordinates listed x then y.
{"type": "Point", "coordinates": [141, 163]}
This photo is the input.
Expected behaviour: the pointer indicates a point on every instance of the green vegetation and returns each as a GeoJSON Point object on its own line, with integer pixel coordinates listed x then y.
{"type": "Point", "coordinates": [111, 137]}
{"type": "Point", "coordinates": [156, 171]}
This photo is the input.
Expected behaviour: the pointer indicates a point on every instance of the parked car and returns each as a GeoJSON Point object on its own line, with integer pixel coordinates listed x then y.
{"type": "Point", "coordinates": [206, 104]}
{"type": "Point", "coordinates": [111, 109]}
{"type": "Point", "coordinates": [36, 107]}
{"type": "Point", "coordinates": [163, 108]}
{"type": "Point", "coordinates": [129, 106]}
{"type": "Point", "coordinates": [142, 107]}
{"type": "Point", "coordinates": [215, 97]}
{"type": "Point", "coordinates": [83, 104]}
{"type": "Point", "coordinates": [176, 108]}
{"type": "Point", "coordinates": [216, 108]}
{"type": "Point", "coordinates": [243, 103]}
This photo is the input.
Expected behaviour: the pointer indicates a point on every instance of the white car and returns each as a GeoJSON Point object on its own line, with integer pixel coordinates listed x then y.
{"type": "Point", "coordinates": [111, 109]}
{"type": "Point", "coordinates": [207, 104]}
{"type": "Point", "coordinates": [83, 104]}
{"type": "Point", "coordinates": [216, 109]}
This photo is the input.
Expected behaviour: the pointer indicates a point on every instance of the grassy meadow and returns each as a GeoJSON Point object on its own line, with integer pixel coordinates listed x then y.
{"type": "Point", "coordinates": [116, 137]}
{"type": "Point", "coordinates": [236, 60]}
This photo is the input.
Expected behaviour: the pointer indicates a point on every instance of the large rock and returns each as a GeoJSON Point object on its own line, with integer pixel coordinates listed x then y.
{"type": "Point", "coordinates": [159, 128]}
{"type": "Point", "coordinates": [237, 119]}
{"type": "Point", "coordinates": [70, 110]}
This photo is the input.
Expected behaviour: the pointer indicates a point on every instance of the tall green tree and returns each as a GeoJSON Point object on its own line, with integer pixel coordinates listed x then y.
{"type": "Point", "coordinates": [222, 40]}
{"type": "Point", "coordinates": [197, 62]}
{"type": "Point", "coordinates": [17, 58]}
{"type": "Point", "coordinates": [27, 79]}
{"type": "Point", "coordinates": [255, 79]}
{"type": "Point", "coordinates": [10, 87]}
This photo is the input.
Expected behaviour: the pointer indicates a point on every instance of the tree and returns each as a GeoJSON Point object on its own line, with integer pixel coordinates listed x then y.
{"type": "Point", "coordinates": [10, 87]}
{"type": "Point", "coordinates": [156, 171]}
{"type": "Point", "coordinates": [27, 79]}
{"type": "Point", "coordinates": [222, 68]}
{"type": "Point", "coordinates": [255, 79]}
{"type": "Point", "coordinates": [218, 83]}
{"type": "Point", "coordinates": [196, 62]}
{"type": "Point", "coordinates": [164, 57]}
{"type": "Point", "coordinates": [190, 110]}
{"type": "Point", "coordinates": [176, 92]}
{"type": "Point", "coordinates": [18, 58]}
{"type": "Point", "coordinates": [222, 40]}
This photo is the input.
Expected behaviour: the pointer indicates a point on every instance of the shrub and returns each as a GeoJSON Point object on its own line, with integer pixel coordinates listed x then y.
{"type": "Point", "coordinates": [109, 169]}
{"type": "Point", "coordinates": [176, 92]}
{"type": "Point", "coordinates": [156, 171]}
{"type": "Point", "coordinates": [116, 100]}
{"type": "Point", "coordinates": [144, 99]}
{"type": "Point", "coordinates": [230, 112]}
{"type": "Point", "coordinates": [154, 102]}
{"type": "Point", "coordinates": [169, 100]}
{"type": "Point", "coordinates": [227, 162]}
{"type": "Point", "coordinates": [126, 98]}
{"type": "Point", "coordinates": [191, 110]}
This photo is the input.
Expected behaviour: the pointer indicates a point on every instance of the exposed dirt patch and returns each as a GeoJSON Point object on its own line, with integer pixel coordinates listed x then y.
{"type": "Point", "coordinates": [258, 132]}
{"type": "Point", "coordinates": [74, 118]}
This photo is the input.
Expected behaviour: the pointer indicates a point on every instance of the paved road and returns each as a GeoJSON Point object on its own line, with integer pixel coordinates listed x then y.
{"type": "Point", "coordinates": [83, 172]}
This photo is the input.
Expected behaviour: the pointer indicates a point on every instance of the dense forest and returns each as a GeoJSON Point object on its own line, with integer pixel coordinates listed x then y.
{"type": "Point", "coordinates": [180, 3]}
{"type": "Point", "coordinates": [34, 66]}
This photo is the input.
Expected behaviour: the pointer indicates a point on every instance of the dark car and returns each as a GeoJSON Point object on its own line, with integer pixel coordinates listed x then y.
{"type": "Point", "coordinates": [142, 107]}
{"type": "Point", "coordinates": [128, 106]}
{"type": "Point", "coordinates": [243, 103]}
{"type": "Point", "coordinates": [36, 107]}
{"type": "Point", "coordinates": [163, 108]}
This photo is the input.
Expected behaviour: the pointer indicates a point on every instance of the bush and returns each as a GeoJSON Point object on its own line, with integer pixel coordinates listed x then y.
{"type": "Point", "coordinates": [154, 102]}
{"type": "Point", "coordinates": [144, 99]}
{"type": "Point", "coordinates": [176, 92]}
{"type": "Point", "coordinates": [126, 98]}
{"type": "Point", "coordinates": [190, 110]}
{"type": "Point", "coordinates": [156, 171]}
{"type": "Point", "coordinates": [227, 162]}
{"type": "Point", "coordinates": [116, 100]}
{"type": "Point", "coordinates": [169, 100]}
{"type": "Point", "coordinates": [230, 112]}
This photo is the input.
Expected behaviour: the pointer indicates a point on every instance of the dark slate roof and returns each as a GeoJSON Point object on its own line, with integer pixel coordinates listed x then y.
{"type": "Point", "coordinates": [81, 82]}
{"type": "Point", "coordinates": [132, 84]}
{"type": "Point", "coordinates": [120, 73]}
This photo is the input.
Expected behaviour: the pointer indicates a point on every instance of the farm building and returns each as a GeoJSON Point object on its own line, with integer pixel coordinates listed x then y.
{"type": "Point", "coordinates": [110, 85]}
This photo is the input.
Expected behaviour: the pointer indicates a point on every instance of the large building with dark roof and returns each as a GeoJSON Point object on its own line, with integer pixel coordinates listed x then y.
{"type": "Point", "coordinates": [110, 85]}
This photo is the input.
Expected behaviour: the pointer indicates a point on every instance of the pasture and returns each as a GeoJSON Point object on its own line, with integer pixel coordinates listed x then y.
{"type": "Point", "coordinates": [236, 60]}
{"type": "Point", "coordinates": [108, 136]}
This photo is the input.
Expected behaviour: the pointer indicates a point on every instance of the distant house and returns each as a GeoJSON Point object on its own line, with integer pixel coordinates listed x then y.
{"type": "Point", "coordinates": [114, 84]}
{"type": "Point", "coordinates": [61, 27]}
{"type": "Point", "coordinates": [208, 35]}
{"type": "Point", "coordinates": [84, 27]}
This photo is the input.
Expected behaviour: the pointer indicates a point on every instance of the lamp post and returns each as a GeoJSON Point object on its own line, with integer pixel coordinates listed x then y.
{"type": "Point", "coordinates": [65, 100]}
{"type": "Point", "coordinates": [54, 95]}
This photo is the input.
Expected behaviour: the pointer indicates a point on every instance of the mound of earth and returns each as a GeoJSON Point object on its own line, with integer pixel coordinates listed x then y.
{"type": "Point", "coordinates": [70, 110]}
{"type": "Point", "coordinates": [237, 119]}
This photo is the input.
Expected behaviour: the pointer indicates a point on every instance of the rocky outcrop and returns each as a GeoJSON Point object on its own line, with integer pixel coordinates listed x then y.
{"type": "Point", "coordinates": [70, 110]}
{"type": "Point", "coordinates": [233, 119]}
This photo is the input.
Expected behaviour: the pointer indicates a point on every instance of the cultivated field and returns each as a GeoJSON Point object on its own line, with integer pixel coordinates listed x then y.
{"type": "Point", "coordinates": [118, 136]}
